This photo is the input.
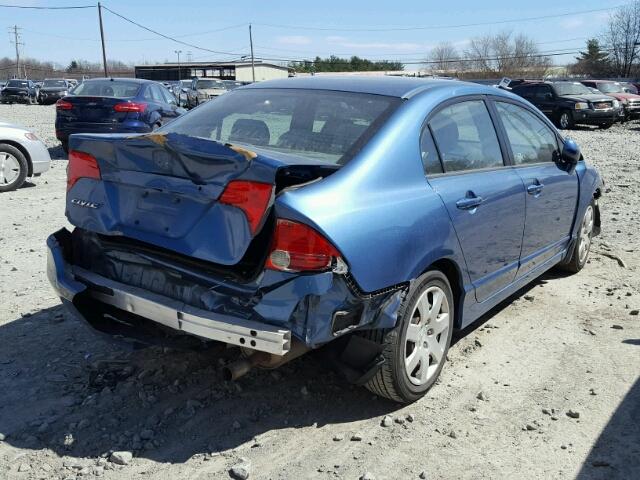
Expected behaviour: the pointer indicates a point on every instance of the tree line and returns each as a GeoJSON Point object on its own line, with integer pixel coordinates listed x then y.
{"type": "Point", "coordinates": [337, 64]}
{"type": "Point", "coordinates": [37, 69]}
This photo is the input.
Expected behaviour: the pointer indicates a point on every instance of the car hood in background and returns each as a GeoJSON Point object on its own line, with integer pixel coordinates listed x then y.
{"type": "Point", "coordinates": [624, 96]}
{"type": "Point", "coordinates": [591, 97]}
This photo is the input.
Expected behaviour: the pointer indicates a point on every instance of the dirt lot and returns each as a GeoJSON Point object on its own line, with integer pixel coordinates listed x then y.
{"type": "Point", "coordinates": [546, 386]}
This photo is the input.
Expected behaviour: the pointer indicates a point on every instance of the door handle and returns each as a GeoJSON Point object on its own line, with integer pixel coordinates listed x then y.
{"type": "Point", "coordinates": [469, 203]}
{"type": "Point", "coordinates": [535, 188]}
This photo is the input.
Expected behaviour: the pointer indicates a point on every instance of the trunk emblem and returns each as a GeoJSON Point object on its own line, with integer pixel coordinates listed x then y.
{"type": "Point", "coordinates": [85, 203]}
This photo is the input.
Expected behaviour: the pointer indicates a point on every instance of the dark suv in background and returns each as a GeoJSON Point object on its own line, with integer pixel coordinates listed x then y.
{"type": "Point", "coordinates": [570, 103]}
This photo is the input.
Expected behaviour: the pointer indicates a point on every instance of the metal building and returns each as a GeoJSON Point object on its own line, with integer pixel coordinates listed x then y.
{"type": "Point", "coordinates": [240, 71]}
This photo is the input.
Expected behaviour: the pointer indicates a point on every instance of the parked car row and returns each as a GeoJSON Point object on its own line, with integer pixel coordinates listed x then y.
{"type": "Point", "coordinates": [589, 102]}
{"type": "Point", "coordinates": [30, 92]}
{"type": "Point", "coordinates": [109, 105]}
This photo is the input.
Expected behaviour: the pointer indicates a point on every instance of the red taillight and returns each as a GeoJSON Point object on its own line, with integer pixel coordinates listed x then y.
{"type": "Point", "coordinates": [63, 105]}
{"type": "Point", "coordinates": [297, 247]}
{"type": "Point", "coordinates": [81, 165]}
{"type": "Point", "coordinates": [130, 107]}
{"type": "Point", "coordinates": [251, 197]}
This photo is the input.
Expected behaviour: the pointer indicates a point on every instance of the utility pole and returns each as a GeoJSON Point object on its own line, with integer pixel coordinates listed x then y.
{"type": "Point", "coordinates": [253, 68]}
{"type": "Point", "coordinates": [178, 52]}
{"type": "Point", "coordinates": [189, 56]}
{"type": "Point", "coordinates": [18, 43]}
{"type": "Point", "coordinates": [104, 52]}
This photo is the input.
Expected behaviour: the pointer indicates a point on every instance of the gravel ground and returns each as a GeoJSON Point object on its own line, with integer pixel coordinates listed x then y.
{"type": "Point", "coordinates": [545, 386]}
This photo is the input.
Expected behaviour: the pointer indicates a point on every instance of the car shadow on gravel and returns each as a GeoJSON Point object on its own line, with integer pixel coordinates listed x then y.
{"type": "Point", "coordinates": [616, 453]}
{"type": "Point", "coordinates": [66, 389]}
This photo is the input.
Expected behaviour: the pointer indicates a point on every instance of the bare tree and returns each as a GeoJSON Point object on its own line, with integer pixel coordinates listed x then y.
{"type": "Point", "coordinates": [504, 54]}
{"type": "Point", "coordinates": [444, 57]}
{"type": "Point", "coordinates": [622, 37]}
{"type": "Point", "coordinates": [479, 54]}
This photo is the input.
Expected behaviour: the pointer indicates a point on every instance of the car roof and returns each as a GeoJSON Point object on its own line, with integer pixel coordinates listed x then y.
{"type": "Point", "coordinates": [601, 81]}
{"type": "Point", "coordinates": [404, 87]}
{"type": "Point", "coordinates": [131, 80]}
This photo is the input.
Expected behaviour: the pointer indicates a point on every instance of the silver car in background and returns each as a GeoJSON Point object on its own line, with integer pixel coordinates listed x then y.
{"type": "Point", "coordinates": [22, 155]}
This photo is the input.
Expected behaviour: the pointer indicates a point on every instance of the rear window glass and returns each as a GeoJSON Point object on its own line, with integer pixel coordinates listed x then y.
{"type": "Point", "coordinates": [210, 84]}
{"type": "Point", "coordinates": [107, 88]}
{"type": "Point", "coordinates": [324, 125]}
{"type": "Point", "coordinates": [17, 84]}
{"type": "Point", "coordinates": [54, 83]}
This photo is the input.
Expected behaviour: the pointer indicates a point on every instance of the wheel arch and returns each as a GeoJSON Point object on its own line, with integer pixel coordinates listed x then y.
{"type": "Point", "coordinates": [452, 271]}
{"type": "Point", "coordinates": [24, 151]}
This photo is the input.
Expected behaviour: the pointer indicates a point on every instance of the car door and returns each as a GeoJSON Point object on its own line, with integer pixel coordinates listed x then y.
{"type": "Point", "coordinates": [485, 199]}
{"type": "Point", "coordinates": [544, 100]}
{"type": "Point", "coordinates": [552, 188]}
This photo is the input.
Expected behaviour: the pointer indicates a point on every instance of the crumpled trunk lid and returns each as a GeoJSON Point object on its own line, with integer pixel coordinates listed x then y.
{"type": "Point", "coordinates": [164, 189]}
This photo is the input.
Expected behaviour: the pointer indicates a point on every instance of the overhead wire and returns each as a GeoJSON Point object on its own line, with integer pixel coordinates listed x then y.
{"type": "Point", "coordinates": [437, 27]}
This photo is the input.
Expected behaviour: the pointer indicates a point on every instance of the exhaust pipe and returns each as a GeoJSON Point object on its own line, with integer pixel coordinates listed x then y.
{"type": "Point", "coordinates": [265, 360]}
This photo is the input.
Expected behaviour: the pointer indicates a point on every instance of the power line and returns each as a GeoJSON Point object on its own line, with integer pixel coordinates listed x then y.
{"type": "Point", "coordinates": [173, 39]}
{"type": "Point", "coordinates": [33, 7]}
{"type": "Point", "coordinates": [436, 27]}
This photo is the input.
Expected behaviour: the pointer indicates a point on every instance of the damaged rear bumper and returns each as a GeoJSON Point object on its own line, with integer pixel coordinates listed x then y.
{"type": "Point", "coordinates": [263, 314]}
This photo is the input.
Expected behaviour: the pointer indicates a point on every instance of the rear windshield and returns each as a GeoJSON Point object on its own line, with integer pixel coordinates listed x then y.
{"type": "Point", "coordinates": [17, 83]}
{"type": "Point", "coordinates": [571, 89]}
{"type": "Point", "coordinates": [610, 88]}
{"type": "Point", "coordinates": [210, 84]}
{"type": "Point", "coordinates": [107, 88]}
{"type": "Point", "coordinates": [318, 124]}
{"type": "Point", "coordinates": [55, 83]}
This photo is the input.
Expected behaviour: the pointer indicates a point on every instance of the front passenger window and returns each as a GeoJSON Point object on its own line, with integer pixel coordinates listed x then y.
{"type": "Point", "coordinates": [465, 137]}
{"type": "Point", "coordinates": [530, 139]}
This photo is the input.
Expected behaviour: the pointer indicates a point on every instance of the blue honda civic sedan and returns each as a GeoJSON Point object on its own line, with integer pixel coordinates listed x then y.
{"type": "Point", "coordinates": [374, 216]}
{"type": "Point", "coordinates": [110, 105]}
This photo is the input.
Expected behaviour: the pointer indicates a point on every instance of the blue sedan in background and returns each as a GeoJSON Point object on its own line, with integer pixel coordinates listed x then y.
{"type": "Point", "coordinates": [376, 215]}
{"type": "Point", "coordinates": [114, 105]}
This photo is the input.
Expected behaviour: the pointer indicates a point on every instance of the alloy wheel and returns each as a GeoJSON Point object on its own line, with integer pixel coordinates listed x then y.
{"type": "Point", "coordinates": [564, 120]}
{"type": "Point", "coordinates": [9, 168]}
{"type": "Point", "coordinates": [427, 334]}
{"type": "Point", "coordinates": [586, 229]}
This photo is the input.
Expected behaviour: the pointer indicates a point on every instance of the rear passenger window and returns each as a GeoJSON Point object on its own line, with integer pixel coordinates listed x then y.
{"type": "Point", "coordinates": [530, 139]}
{"type": "Point", "coordinates": [465, 137]}
{"type": "Point", "coordinates": [429, 154]}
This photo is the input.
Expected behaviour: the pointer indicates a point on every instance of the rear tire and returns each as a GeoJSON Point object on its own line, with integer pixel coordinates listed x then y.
{"type": "Point", "coordinates": [581, 249]}
{"type": "Point", "coordinates": [416, 349]}
{"type": "Point", "coordinates": [13, 168]}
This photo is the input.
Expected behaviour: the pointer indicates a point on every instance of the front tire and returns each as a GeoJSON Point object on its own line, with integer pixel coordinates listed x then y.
{"type": "Point", "coordinates": [581, 249]}
{"type": "Point", "coordinates": [13, 168]}
{"type": "Point", "coordinates": [416, 349]}
{"type": "Point", "coordinates": [565, 120]}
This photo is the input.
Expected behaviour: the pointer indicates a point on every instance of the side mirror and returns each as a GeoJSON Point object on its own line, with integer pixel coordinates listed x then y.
{"type": "Point", "coordinates": [548, 96]}
{"type": "Point", "coordinates": [570, 152]}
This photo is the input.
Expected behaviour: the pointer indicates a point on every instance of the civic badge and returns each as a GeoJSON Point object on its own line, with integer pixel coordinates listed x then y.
{"type": "Point", "coordinates": [85, 203]}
